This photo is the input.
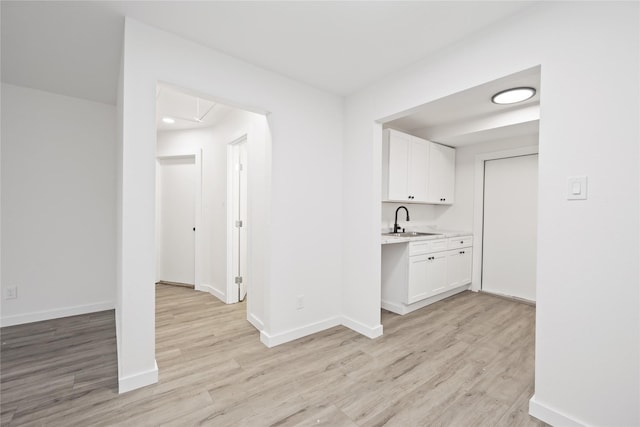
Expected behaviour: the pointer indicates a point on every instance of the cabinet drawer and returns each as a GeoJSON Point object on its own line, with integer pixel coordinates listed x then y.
{"type": "Point", "coordinates": [460, 242]}
{"type": "Point", "coordinates": [427, 246]}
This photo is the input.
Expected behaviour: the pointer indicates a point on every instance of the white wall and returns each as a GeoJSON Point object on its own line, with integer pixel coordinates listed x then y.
{"type": "Point", "coordinates": [213, 142]}
{"type": "Point", "coordinates": [587, 337]}
{"type": "Point", "coordinates": [58, 196]}
{"type": "Point", "coordinates": [297, 242]}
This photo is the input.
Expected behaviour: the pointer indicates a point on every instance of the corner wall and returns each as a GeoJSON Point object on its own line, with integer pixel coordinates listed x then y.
{"type": "Point", "coordinates": [588, 302]}
{"type": "Point", "coordinates": [58, 195]}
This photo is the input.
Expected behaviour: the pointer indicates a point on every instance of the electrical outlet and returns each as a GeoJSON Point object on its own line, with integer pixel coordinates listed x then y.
{"type": "Point", "coordinates": [300, 302]}
{"type": "Point", "coordinates": [11, 292]}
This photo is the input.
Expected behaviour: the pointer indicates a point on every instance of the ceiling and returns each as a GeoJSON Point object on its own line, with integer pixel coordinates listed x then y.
{"type": "Point", "coordinates": [188, 110]}
{"type": "Point", "coordinates": [470, 117]}
{"type": "Point", "coordinates": [74, 48]}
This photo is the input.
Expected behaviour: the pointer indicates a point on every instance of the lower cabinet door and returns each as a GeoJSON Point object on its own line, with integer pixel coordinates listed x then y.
{"type": "Point", "coordinates": [459, 263]}
{"type": "Point", "coordinates": [427, 276]}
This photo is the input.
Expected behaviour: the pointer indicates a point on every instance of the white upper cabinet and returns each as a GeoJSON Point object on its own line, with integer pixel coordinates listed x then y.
{"type": "Point", "coordinates": [415, 170]}
{"type": "Point", "coordinates": [405, 162]}
{"type": "Point", "coordinates": [442, 174]}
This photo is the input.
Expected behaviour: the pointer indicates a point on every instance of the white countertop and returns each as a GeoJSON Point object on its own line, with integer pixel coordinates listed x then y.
{"type": "Point", "coordinates": [442, 234]}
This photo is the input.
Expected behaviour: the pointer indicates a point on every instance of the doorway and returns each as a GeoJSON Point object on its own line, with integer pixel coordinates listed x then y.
{"type": "Point", "coordinates": [188, 124]}
{"type": "Point", "coordinates": [510, 226]}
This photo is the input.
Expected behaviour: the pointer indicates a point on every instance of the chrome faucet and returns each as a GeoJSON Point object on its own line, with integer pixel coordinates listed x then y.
{"type": "Point", "coordinates": [396, 227]}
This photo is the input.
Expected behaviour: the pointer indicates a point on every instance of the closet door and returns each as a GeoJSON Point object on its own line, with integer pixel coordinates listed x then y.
{"type": "Point", "coordinates": [510, 226]}
{"type": "Point", "coordinates": [176, 219]}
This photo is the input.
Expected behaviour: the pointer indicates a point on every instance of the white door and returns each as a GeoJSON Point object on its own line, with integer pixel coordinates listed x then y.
{"type": "Point", "coordinates": [176, 219]}
{"type": "Point", "coordinates": [239, 199]}
{"type": "Point", "coordinates": [510, 226]}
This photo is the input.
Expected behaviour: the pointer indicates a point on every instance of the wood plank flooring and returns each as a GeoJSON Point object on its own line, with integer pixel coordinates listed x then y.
{"type": "Point", "coordinates": [464, 361]}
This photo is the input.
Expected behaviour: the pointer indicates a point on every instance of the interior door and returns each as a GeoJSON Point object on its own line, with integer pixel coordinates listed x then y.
{"type": "Point", "coordinates": [242, 216]}
{"type": "Point", "coordinates": [239, 256]}
{"type": "Point", "coordinates": [176, 219]}
{"type": "Point", "coordinates": [510, 226]}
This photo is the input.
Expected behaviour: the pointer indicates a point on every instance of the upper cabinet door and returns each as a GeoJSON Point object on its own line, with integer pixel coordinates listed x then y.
{"type": "Point", "coordinates": [398, 148]}
{"type": "Point", "coordinates": [418, 169]}
{"type": "Point", "coordinates": [442, 162]}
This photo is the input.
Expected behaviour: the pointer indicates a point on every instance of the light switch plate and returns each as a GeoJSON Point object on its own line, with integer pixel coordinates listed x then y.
{"type": "Point", "coordinates": [577, 188]}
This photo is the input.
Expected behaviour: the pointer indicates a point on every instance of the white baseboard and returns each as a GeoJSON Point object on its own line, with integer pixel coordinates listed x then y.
{"type": "Point", "coordinates": [402, 309]}
{"type": "Point", "coordinates": [213, 291]}
{"type": "Point", "coordinates": [37, 316]}
{"type": "Point", "coordinates": [361, 328]}
{"type": "Point", "coordinates": [550, 415]}
{"type": "Point", "coordinates": [257, 323]}
{"type": "Point", "coordinates": [394, 307]}
{"type": "Point", "coordinates": [138, 380]}
{"type": "Point", "coordinates": [294, 334]}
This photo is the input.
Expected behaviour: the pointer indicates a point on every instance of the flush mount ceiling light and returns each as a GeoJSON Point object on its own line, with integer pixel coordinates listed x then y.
{"type": "Point", "coordinates": [512, 96]}
{"type": "Point", "coordinates": [168, 120]}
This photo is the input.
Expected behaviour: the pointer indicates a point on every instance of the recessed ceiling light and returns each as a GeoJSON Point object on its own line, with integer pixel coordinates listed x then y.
{"type": "Point", "coordinates": [168, 120]}
{"type": "Point", "coordinates": [512, 96]}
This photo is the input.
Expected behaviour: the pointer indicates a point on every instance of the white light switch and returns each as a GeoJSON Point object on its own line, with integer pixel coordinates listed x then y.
{"type": "Point", "coordinates": [577, 188]}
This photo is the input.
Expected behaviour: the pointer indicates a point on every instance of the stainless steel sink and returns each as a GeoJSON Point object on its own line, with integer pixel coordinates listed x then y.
{"type": "Point", "coordinates": [410, 234]}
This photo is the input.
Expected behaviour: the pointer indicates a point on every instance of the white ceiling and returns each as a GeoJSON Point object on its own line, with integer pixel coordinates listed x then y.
{"type": "Point", "coordinates": [470, 117]}
{"type": "Point", "coordinates": [74, 48]}
{"type": "Point", "coordinates": [188, 110]}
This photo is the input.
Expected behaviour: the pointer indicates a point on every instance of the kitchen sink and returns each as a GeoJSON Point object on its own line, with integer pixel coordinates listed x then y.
{"type": "Point", "coordinates": [410, 234]}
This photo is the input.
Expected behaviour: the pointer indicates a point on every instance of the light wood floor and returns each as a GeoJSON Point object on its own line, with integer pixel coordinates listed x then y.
{"type": "Point", "coordinates": [465, 361]}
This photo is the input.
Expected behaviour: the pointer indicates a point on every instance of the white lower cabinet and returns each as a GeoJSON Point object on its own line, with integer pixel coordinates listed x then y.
{"type": "Point", "coordinates": [419, 273]}
{"type": "Point", "coordinates": [427, 276]}
{"type": "Point", "coordinates": [458, 267]}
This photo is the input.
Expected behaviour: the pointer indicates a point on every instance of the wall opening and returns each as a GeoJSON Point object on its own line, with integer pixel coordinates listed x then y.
{"type": "Point", "coordinates": [472, 126]}
{"type": "Point", "coordinates": [197, 179]}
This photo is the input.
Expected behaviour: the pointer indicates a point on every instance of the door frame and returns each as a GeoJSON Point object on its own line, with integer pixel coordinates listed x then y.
{"type": "Point", "coordinates": [199, 235]}
{"type": "Point", "coordinates": [232, 294]}
{"type": "Point", "coordinates": [478, 205]}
